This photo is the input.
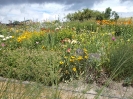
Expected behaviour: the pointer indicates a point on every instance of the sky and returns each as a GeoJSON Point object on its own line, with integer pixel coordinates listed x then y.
{"type": "Point", "coordinates": [47, 10]}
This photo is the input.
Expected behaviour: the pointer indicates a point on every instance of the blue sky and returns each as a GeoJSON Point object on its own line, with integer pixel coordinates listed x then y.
{"type": "Point", "coordinates": [40, 10]}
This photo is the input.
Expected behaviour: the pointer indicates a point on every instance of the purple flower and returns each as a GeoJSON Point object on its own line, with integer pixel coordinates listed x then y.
{"type": "Point", "coordinates": [113, 38]}
{"type": "Point", "coordinates": [3, 45]}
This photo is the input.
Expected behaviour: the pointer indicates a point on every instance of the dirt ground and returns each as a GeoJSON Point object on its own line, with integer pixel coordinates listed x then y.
{"type": "Point", "coordinates": [73, 90]}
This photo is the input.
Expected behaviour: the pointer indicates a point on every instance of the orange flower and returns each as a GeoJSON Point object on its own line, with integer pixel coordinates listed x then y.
{"type": "Point", "coordinates": [68, 50]}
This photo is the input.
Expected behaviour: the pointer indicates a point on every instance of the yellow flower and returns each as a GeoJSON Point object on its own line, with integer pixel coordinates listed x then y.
{"type": "Point", "coordinates": [74, 69]}
{"type": "Point", "coordinates": [65, 57]}
{"type": "Point", "coordinates": [52, 49]}
{"type": "Point", "coordinates": [12, 36]}
{"type": "Point", "coordinates": [61, 62]}
{"type": "Point", "coordinates": [86, 57]}
{"type": "Point", "coordinates": [128, 40]}
{"type": "Point", "coordinates": [92, 32]}
{"type": "Point", "coordinates": [86, 53]}
{"type": "Point", "coordinates": [72, 57]}
{"type": "Point", "coordinates": [17, 31]}
{"type": "Point", "coordinates": [43, 47]}
{"type": "Point", "coordinates": [113, 33]}
{"type": "Point", "coordinates": [19, 39]}
{"type": "Point", "coordinates": [103, 34]}
{"type": "Point", "coordinates": [85, 50]}
{"type": "Point", "coordinates": [71, 60]}
{"type": "Point", "coordinates": [80, 58]}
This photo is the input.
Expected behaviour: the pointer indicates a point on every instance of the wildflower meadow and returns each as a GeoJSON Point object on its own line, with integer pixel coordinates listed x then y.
{"type": "Point", "coordinates": [54, 52]}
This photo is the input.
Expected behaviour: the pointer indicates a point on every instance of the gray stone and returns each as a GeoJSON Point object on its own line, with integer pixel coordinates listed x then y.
{"type": "Point", "coordinates": [95, 56]}
{"type": "Point", "coordinates": [80, 52]}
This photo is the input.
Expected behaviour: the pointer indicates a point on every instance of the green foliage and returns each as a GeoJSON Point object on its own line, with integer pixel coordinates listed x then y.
{"type": "Point", "coordinates": [99, 17]}
{"type": "Point", "coordinates": [121, 60]}
{"type": "Point", "coordinates": [32, 65]}
{"type": "Point", "coordinates": [115, 15]}
{"type": "Point", "coordinates": [83, 27]}
{"type": "Point", "coordinates": [16, 23]}
{"type": "Point", "coordinates": [87, 14]}
{"type": "Point", "coordinates": [64, 33]}
{"type": "Point", "coordinates": [122, 30]}
{"type": "Point", "coordinates": [73, 63]}
{"type": "Point", "coordinates": [48, 55]}
{"type": "Point", "coordinates": [107, 13]}
{"type": "Point", "coordinates": [118, 31]}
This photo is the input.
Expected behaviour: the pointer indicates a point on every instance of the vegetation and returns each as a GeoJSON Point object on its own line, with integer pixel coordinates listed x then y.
{"type": "Point", "coordinates": [87, 14]}
{"type": "Point", "coordinates": [54, 52]}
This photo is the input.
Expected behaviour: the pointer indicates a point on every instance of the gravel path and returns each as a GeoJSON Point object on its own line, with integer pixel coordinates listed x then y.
{"type": "Point", "coordinates": [82, 90]}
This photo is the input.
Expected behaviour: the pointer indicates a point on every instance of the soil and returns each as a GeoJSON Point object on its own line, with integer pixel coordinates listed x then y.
{"type": "Point", "coordinates": [78, 89]}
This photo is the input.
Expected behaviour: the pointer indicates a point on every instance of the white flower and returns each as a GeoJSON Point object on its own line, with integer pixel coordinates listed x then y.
{"type": "Point", "coordinates": [1, 36]}
{"type": "Point", "coordinates": [74, 42]}
{"type": "Point", "coordinates": [109, 34]}
{"type": "Point", "coordinates": [6, 38]}
{"type": "Point", "coordinates": [10, 36]}
{"type": "Point", "coordinates": [56, 28]}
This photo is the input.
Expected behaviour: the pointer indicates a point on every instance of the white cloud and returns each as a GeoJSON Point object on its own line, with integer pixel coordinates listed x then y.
{"type": "Point", "coordinates": [51, 11]}
{"type": "Point", "coordinates": [34, 12]}
{"type": "Point", "coordinates": [124, 9]}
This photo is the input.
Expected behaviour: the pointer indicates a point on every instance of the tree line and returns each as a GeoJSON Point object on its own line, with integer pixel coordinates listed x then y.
{"type": "Point", "coordinates": [87, 14]}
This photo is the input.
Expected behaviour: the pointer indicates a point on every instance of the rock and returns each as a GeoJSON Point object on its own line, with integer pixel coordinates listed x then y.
{"type": "Point", "coordinates": [95, 56]}
{"type": "Point", "coordinates": [80, 52]}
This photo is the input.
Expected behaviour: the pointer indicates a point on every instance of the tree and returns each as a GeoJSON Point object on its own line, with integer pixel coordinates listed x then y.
{"type": "Point", "coordinates": [70, 17]}
{"type": "Point", "coordinates": [80, 16]}
{"type": "Point", "coordinates": [107, 13]}
{"type": "Point", "coordinates": [87, 13]}
{"type": "Point", "coordinates": [76, 16]}
{"type": "Point", "coordinates": [115, 15]}
{"type": "Point", "coordinates": [16, 22]}
{"type": "Point", "coordinates": [99, 15]}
